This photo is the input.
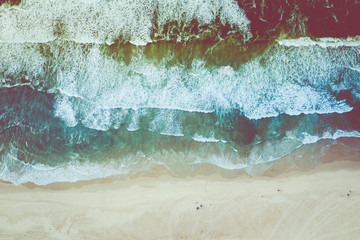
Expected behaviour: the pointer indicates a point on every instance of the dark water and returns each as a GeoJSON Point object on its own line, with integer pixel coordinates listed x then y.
{"type": "Point", "coordinates": [97, 88]}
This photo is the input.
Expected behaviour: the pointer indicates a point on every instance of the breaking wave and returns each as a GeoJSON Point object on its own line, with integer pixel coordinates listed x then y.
{"type": "Point", "coordinates": [139, 22]}
{"type": "Point", "coordinates": [91, 86]}
{"type": "Point", "coordinates": [97, 88]}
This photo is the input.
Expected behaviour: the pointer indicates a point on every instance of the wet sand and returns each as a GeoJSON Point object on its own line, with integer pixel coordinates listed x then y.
{"type": "Point", "coordinates": [312, 204]}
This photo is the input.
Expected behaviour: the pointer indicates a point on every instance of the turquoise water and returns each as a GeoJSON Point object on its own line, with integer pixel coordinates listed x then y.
{"type": "Point", "coordinates": [101, 88]}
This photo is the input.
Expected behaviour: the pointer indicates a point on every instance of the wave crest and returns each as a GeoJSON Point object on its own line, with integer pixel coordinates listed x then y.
{"type": "Point", "coordinates": [105, 21]}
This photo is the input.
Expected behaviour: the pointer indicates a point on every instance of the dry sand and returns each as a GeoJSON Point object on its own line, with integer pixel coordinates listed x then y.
{"type": "Point", "coordinates": [314, 204]}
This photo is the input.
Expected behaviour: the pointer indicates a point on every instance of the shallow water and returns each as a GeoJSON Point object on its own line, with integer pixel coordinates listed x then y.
{"type": "Point", "coordinates": [113, 87]}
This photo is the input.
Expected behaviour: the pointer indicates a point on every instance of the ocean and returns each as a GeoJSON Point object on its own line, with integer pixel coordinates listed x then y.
{"type": "Point", "coordinates": [98, 88]}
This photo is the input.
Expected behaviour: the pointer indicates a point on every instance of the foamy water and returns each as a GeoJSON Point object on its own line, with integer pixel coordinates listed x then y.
{"type": "Point", "coordinates": [92, 89]}
{"type": "Point", "coordinates": [94, 21]}
{"type": "Point", "coordinates": [291, 81]}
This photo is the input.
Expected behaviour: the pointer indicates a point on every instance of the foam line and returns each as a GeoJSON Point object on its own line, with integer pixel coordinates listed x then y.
{"type": "Point", "coordinates": [41, 21]}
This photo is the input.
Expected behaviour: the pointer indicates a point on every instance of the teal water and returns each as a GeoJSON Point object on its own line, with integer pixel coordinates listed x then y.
{"type": "Point", "coordinates": [194, 85]}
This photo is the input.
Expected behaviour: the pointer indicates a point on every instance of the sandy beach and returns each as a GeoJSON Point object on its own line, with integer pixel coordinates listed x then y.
{"type": "Point", "coordinates": [173, 119]}
{"type": "Point", "coordinates": [316, 204]}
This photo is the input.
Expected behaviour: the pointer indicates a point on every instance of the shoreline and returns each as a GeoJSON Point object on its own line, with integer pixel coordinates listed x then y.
{"type": "Point", "coordinates": [295, 203]}
{"type": "Point", "coordinates": [302, 158]}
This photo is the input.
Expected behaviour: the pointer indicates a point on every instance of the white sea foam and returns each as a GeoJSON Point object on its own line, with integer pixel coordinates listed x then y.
{"type": "Point", "coordinates": [104, 21]}
{"type": "Point", "coordinates": [167, 123]}
{"type": "Point", "coordinates": [17, 60]}
{"type": "Point", "coordinates": [261, 158]}
{"type": "Point", "coordinates": [309, 139]}
{"type": "Point", "coordinates": [291, 82]}
{"type": "Point", "coordinates": [211, 138]}
{"type": "Point", "coordinates": [91, 85]}
{"type": "Point", "coordinates": [321, 42]}
{"type": "Point", "coordinates": [64, 110]}
{"type": "Point", "coordinates": [134, 124]}
{"type": "Point", "coordinates": [19, 172]}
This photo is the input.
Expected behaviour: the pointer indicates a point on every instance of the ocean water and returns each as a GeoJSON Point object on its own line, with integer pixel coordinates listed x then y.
{"type": "Point", "coordinates": [97, 88]}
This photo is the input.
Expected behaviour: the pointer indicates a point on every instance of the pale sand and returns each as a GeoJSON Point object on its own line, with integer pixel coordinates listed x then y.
{"type": "Point", "coordinates": [317, 204]}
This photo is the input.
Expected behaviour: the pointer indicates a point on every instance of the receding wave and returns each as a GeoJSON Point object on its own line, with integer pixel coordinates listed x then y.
{"type": "Point", "coordinates": [37, 146]}
{"type": "Point", "coordinates": [260, 159]}
{"type": "Point", "coordinates": [97, 88]}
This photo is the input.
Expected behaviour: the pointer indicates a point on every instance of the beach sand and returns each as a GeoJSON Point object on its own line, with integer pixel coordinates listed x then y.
{"type": "Point", "coordinates": [314, 204]}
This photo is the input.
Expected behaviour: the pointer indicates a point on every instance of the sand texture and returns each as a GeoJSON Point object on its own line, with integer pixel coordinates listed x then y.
{"type": "Point", "coordinates": [315, 204]}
